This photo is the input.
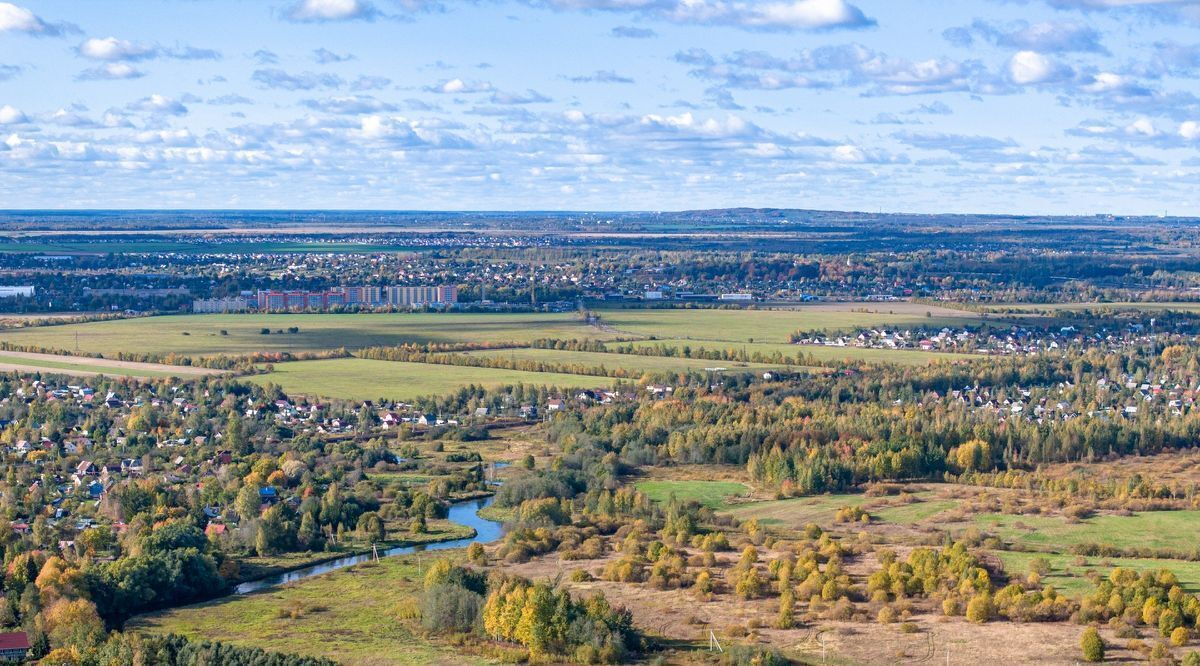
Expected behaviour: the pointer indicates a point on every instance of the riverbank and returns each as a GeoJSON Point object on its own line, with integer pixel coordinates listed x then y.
{"type": "Point", "coordinates": [254, 569]}
{"type": "Point", "coordinates": [363, 615]}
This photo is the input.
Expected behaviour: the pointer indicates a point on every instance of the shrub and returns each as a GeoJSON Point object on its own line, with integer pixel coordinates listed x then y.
{"type": "Point", "coordinates": [450, 608]}
{"type": "Point", "coordinates": [979, 609]}
{"type": "Point", "coordinates": [1191, 659]}
{"type": "Point", "coordinates": [1180, 636]}
{"type": "Point", "coordinates": [752, 655]}
{"type": "Point", "coordinates": [1092, 645]}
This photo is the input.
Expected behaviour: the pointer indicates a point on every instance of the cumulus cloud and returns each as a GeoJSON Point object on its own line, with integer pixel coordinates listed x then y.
{"type": "Point", "coordinates": [527, 97]}
{"type": "Point", "coordinates": [281, 80]}
{"type": "Point", "coordinates": [779, 15]}
{"type": "Point", "coordinates": [159, 105]}
{"type": "Point", "coordinates": [113, 49]}
{"type": "Point", "coordinates": [458, 86]}
{"type": "Point", "coordinates": [111, 71]}
{"type": "Point", "coordinates": [14, 18]}
{"type": "Point", "coordinates": [10, 115]}
{"type": "Point", "coordinates": [348, 105]}
{"type": "Point", "coordinates": [851, 65]}
{"type": "Point", "coordinates": [1030, 68]}
{"type": "Point", "coordinates": [306, 11]}
{"type": "Point", "coordinates": [1044, 37]}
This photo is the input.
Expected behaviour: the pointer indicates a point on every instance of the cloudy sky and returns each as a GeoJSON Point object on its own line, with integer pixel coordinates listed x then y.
{"type": "Point", "coordinates": [1034, 106]}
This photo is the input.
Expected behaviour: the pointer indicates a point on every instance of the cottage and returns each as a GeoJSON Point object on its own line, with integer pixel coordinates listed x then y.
{"type": "Point", "coordinates": [14, 646]}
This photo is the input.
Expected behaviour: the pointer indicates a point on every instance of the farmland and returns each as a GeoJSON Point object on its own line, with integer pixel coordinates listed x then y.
{"type": "Point", "coordinates": [366, 379]}
{"type": "Point", "coordinates": [777, 325]}
{"type": "Point", "coordinates": [242, 334]}
{"type": "Point", "coordinates": [81, 366]}
{"type": "Point", "coordinates": [628, 362]}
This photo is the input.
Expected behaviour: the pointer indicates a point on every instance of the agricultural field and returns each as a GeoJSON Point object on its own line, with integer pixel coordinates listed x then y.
{"type": "Point", "coordinates": [208, 335]}
{"type": "Point", "coordinates": [82, 366]}
{"type": "Point", "coordinates": [819, 352]}
{"type": "Point", "coordinates": [366, 379]}
{"type": "Point", "coordinates": [778, 325]}
{"type": "Point", "coordinates": [357, 616]}
{"type": "Point", "coordinates": [628, 362]}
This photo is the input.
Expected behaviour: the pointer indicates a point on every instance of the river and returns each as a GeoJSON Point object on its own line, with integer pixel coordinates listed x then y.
{"type": "Point", "coordinates": [465, 513]}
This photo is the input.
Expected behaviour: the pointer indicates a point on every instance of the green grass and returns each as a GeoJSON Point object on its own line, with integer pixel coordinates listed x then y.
{"type": "Point", "coordinates": [350, 616]}
{"type": "Point", "coordinates": [777, 325]}
{"type": "Point", "coordinates": [628, 362]}
{"type": "Point", "coordinates": [1152, 529]}
{"type": "Point", "coordinates": [796, 513]}
{"type": "Point", "coordinates": [713, 494]}
{"type": "Point", "coordinates": [317, 332]}
{"type": "Point", "coordinates": [820, 352]}
{"type": "Point", "coordinates": [69, 368]}
{"type": "Point", "coordinates": [916, 512]}
{"type": "Point", "coordinates": [365, 379]}
{"type": "Point", "coordinates": [1070, 578]}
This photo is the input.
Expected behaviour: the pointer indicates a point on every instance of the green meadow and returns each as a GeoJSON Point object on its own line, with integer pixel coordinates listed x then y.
{"type": "Point", "coordinates": [365, 379]}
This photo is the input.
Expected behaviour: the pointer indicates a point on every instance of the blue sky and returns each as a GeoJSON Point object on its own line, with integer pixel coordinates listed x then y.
{"type": "Point", "coordinates": [1035, 106]}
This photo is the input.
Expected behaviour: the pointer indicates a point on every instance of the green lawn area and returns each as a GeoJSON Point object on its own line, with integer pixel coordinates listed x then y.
{"type": "Point", "coordinates": [820, 352]}
{"type": "Point", "coordinates": [352, 616]}
{"type": "Point", "coordinates": [909, 514]}
{"type": "Point", "coordinates": [713, 494]}
{"type": "Point", "coordinates": [778, 325]}
{"type": "Point", "coordinates": [1070, 578]}
{"type": "Point", "coordinates": [317, 331]}
{"type": "Point", "coordinates": [366, 379]}
{"type": "Point", "coordinates": [796, 513]}
{"type": "Point", "coordinates": [68, 367]}
{"type": "Point", "coordinates": [1152, 529]}
{"type": "Point", "coordinates": [628, 362]}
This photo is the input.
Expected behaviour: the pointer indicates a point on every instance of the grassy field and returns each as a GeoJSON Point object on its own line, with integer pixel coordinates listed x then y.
{"type": "Point", "coordinates": [352, 616]}
{"type": "Point", "coordinates": [820, 352]}
{"type": "Point", "coordinates": [1179, 306]}
{"type": "Point", "coordinates": [916, 512]}
{"type": "Point", "coordinates": [365, 379]}
{"type": "Point", "coordinates": [713, 494]}
{"type": "Point", "coordinates": [629, 362]}
{"type": "Point", "coordinates": [796, 513]}
{"type": "Point", "coordinates": [1068, 572]}
{"type": "Point", "coordinates": [200, 335]}
{"type": "Point", "coordinates": [1151, 529]}
{"type": "Point", "coordinates": [778, 325]}
{"type": "Point", "coordinates": [69, 367]}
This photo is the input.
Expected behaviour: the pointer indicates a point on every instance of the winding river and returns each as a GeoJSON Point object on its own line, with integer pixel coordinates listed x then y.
{"type": "Point", "coordinates": [465, 513]}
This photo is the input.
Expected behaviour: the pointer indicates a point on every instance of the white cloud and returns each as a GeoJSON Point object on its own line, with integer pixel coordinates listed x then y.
{"type": "Point", "coordinates": [111, 71]}
{"type": "Point", "coordinates": [784, 15]}
{"type": "Point", "coordinates": [112, 49]}
{"type": "Point", "coordinates": [19, 19]}
{"type": "Point", "coordinates": [456, 86]}
{"type": "Point", "coordinates": [1189, 130]}
{"type": "Point", "coordinates": [10, 115]}
{"type": "Point", "coordinates": [1031, 67]}
{"type": "Point", "coordinates": [331, 10]}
